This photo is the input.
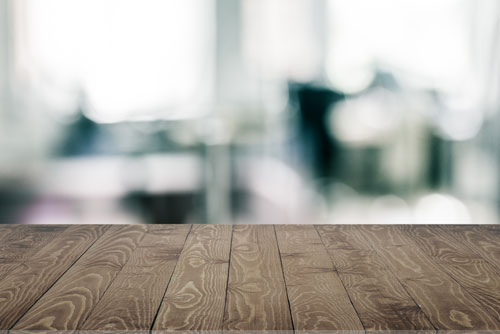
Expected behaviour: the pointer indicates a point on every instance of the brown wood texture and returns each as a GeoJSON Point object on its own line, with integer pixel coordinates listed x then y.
{"type": "Point", "coordinates": [194, 300]}
{"type": "Point", "coordinates": [132, 300]}
{"type": "Point", "coordinates": [376, 293]}
{"type": "Point", "coordinates": [250, 278]}
{"type": "Point", "coordinates": [19, 242]}
{"type": "Point", "coordinates": [484, 240]}
{"type": "Point", "coordinates": [256, 295]}
{"type": "Point", "coordinates": [471, 271]}
{"type": "Point", "coordinates": [318, 299]}
{"type": "Point", "coordinates": [70, 300]}
{"type": "Point", "coordinates": [25, 284]}
{"type": "Point", "coordinates": [447, 304]}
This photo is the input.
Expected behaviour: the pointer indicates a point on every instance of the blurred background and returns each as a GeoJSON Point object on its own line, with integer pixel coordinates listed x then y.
{"type": "Point", "coordinates": [249, 111]}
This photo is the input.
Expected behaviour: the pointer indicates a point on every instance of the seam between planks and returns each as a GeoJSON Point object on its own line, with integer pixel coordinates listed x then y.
{"type": "Point", "coordinates": [398, 279]}
{"type": "Point", "coordinates": [227, 280]}
{"type": "Point", "coordinates": [169, 280]}
{"type": "Point", "coordinates": [340, 278]}
{"type": "Point", "coordinates": [60, 276]}
{"type": "Point", "coordinates": [111, 282]}
{"type": "Point", "coordinates": [284, 279]}
{"type": "Point", "coordinates": [37, 248]}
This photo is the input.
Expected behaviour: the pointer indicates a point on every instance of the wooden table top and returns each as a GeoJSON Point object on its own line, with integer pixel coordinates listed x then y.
{"type": "Point", "coordinates": [243, 278]}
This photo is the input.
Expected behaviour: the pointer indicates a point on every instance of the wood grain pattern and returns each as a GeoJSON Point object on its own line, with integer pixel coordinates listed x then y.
{"type": "Point", "coordinates": [483, 240]}
{"type": "Point", "coordinates": [470, 270]}
{"type": "Point", "coordinates": [448, 305]}
{"type": "Point", "coordinates": [133, 299]}
{"type": "Point", "coordinates": [378, 296]}
{"type": "Point", "coordinates": [20, 289]}
{"type": "Point", "coordinates": [20, 233]}
{"type": "Point", "coordinates": [318, 299]}
{"type": "Point", "coordinates": [19, 242]}
{"type": "Point", "coordinates": [249, 279]}
{"type": "Point", "coordinates": [256, 295]}
{"type": "Point", "coordinates": [195, 297]}
{"type": "Point", "coordinates": [69, 302]}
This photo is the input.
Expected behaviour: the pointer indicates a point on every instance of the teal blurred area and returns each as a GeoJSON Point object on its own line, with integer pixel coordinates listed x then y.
{"type": "Point", "coordinates": [249, 111]}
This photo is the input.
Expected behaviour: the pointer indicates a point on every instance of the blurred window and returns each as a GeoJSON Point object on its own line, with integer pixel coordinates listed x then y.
{"type": "Point", "coordinates": [283, 38]}
{"type": "Point", "coordinates": [130, 59]}
{"type": "Point", "coordinates": [427, 41]}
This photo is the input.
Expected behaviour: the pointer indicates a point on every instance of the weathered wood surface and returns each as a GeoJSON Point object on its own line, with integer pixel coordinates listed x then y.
{"type": "Point", "coordinates": [250, 278]}
{"type": "Point", "coordinates": [256, 296]}
{"type": "Point", "coordinates": [195, 298]}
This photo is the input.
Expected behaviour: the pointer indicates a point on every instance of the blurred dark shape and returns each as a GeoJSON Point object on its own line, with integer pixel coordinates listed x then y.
{"type": "Point", "coordinates": [87, 137]}
{"type": "Point", "coordinates": [315, 144]}
{"type": "Point", "coordinates": [82, 137]}
{"type": "Point", "coordinates": [362, 165]}
{"type": "Point", "coordinates": [321, 153]}
{"type": "Point", "coordinates": [168, 208]}
{"type": "Point", "coordinates": [134, 143]}
{"type": "Point", "coordinates": [384, 79]}
{"type": "Point", "coordinates": [440, 162]}
{"type": "Point", "coordinates": [13, 199]}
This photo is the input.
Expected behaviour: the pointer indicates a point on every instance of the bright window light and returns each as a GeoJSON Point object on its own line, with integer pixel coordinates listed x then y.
{"type": "Point", "coordinates": [130, 59]}
{"type": "Point", "coordinates": [282, 38]}
{"type": "Point", "coordinates": [428, 40]}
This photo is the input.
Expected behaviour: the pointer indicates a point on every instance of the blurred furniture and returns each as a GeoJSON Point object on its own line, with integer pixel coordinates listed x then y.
{"type": "Point", "coordinates": [156, 188]}
{"type": "Point", "coordinates": [315, 143]}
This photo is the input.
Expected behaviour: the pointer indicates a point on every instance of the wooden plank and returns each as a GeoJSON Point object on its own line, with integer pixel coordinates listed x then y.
{"type": "Point", "coordinates": [447, 304]}
{"type": "Point", "coordinates": [12, 232]}
{"type": "Point", "coordinates": [470, 270]}
{"type": "Point", "coordinates": [194, 300]}
{"type": "Point", "coordinates": [69, 302]}
{"type": "Point", "coordinates": [256, 295]}
{"type": "Point", "coordinates": [19, 242]}
{"type": "Point", "coordinates": [21, 288]}
{"type": "Point", "coordinates": [393, 275]}
{"type": "Point", "coordinates": [379, 298]}
{"type": "Point", "coordinates": [16, 238]}
{"type": "Point", "coordinates": [133, 299]}
{"type": "Point", "coordinates": [318, 299]}
{"type": "Point", "coordinates": [484, 240]}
